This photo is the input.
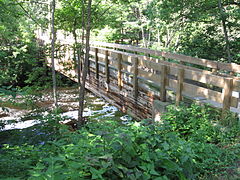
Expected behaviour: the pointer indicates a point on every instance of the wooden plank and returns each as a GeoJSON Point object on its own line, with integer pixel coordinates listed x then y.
{"type": "Point", "coordinates": [174, 67]}
{"type": "Point", "coordinates": [196, 91]}
{"type": "Point", "coordinates": [151, 76]}
{"type": "Point", "coordinates": [113, 54]}
{"type": "Point", "coordinates": [114, 64]}
{"type": "Point", "coordinates": [128, 68]}
{"type": "Point", "coordinates": [127, 58]}
{"type": "Point", "coordinates": [156, 63]}
{"type": "Point", "coordinates": [150, 64]}
{"type": "Point", "coordinates": [180, 57]}
{"type": "Point", "coordinates": [107, 68]}
{"type": "Point", "coordinates": [236, 85]}
{"type": "Point", "coordinates": [227, 94]}
{"type": "Point", "coordinates": [179, 86]}
{"type": "Point", "coordinates": [189, 59]}
{"type": "Point", "coordinates": [204, 78]}
{"type": "Point", "coordinates": [127, 47]}
{"type": "Point", "coordinates": [101, 58]}
{"type": "Point", "coordinates": [135, 78]}
{"type": "Point", "coordinates": [172, 84]}
{"type": "Point", "coordinates": [163, 83]}
{"type": "Point", "coordinates": [119, 75]}
{"type": "Point", "coordinates": [96, 63]}
{"type": "Point", "coordinates": [229, 67]}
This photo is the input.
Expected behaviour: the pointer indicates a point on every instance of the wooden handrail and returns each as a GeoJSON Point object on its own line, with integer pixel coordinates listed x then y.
{"type": "Point", "coordinates": [187, 78]}
{"type": "Point", "coordinates": [136, 74]}
{"type": "Point", "coordinates": [231, 67]}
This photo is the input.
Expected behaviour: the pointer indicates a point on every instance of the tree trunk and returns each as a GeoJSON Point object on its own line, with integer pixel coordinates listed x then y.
{"type": "Point", "coordinates": [143, 36]}
{"type": "Point", "coordinates": [149, 38]}
{"type": "Point", "coordinates": [158, 36]}
{"type": "Point", "coordinates": [75, 42]}
{"type": "Point", "coordinates": [81, 56]}
{"type": "Point", "coordinates": [122, 34]}
{"type": "Point", "coordinates": [85, 67]}
{"type": "Point", "coordinates": [223, 19]}
{"type": "Point", "coordinates": [83, 34]}
{"type": "Point", "coordinates": [52, 56]}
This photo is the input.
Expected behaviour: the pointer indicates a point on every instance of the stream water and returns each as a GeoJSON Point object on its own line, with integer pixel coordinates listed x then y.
{"type": "Point", "coordinates": [95, 109]}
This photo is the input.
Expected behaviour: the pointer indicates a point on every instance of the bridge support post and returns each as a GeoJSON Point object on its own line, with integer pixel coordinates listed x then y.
{"type": "Point", "coordinates": [226, 97]}
{"type": "Point", "coordinates": [119, 76]}
{"type": "Point", "coordinates": [135, 78]}
{"type": "Point", "coordinates": [163, 83]}
{"type": "Point", "coordinates": [107, 69]}
{"type": "Point", "coordinates": [179, 86]}
{"type": "Point", "coordinates": [96, 63]}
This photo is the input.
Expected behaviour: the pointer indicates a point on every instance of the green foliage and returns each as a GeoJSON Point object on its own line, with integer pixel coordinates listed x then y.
{"type": "Point", "coordinates": [26, 147]}
{"type": "Point", "coordinates": [16, 159]}
{"type": "Point", "coordinates": [108, 150]}
{"type": "Point", "coordinates": [6, 91]}
{"type": "Point", "coordinates": [19, 53]}
{"type": "Point", "coordinates": [200, 124]}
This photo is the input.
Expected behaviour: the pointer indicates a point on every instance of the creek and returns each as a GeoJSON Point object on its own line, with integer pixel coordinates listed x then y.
{"type": "Point", "coordinates": [20, 121]}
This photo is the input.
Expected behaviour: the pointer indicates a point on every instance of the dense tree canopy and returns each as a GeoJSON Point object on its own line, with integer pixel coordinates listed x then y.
{"type": "Point", "coordinates": [19, 52]}
{"type": "Point", "coordinates": [204, 28]}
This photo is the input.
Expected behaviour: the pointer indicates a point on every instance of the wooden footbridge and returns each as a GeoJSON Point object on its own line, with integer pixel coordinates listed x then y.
{"type": "Point", "coordinates": [134, 79]}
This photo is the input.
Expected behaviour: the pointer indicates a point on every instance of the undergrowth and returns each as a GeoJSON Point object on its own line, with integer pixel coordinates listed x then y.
{"type": "Point", "coordinates": [187, 144]}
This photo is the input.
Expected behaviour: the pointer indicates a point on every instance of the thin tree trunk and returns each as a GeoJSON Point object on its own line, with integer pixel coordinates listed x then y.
{"type": "Point", "coordinates": [85, 67]}
{"type": "Point", "coordinates": [168, 34]}
{"type": "Point", "coordinates": [143, 36]}
{"type": "Point", "coordinates": [223, 19]}
{"type": "Point", "coordinates": [149, 38]}
{"type": "Point", "coordinates": [52, 56]}
{"type": "Point", "coordinates": [122, 32]}
{"type": "Point", "coordinates": [75, 42]}
{"type": "Point", "coordinates": [158, 37]}
{"type": "Point", "coordinates": [79, 61]}
{"type": "Point", "coordinates": [83, 34]}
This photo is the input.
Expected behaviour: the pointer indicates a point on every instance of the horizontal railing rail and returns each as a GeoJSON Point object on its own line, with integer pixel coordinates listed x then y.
{"type": "Point", "coordinates": [161, 75]}
{"type": "Point", "coordinates": [178, 77]}
{"type": "Point", "coordinates": [230, 67]}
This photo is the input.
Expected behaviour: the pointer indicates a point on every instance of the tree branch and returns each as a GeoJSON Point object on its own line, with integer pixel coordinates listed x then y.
{"type": "Point", "coordinates": [26, 12]}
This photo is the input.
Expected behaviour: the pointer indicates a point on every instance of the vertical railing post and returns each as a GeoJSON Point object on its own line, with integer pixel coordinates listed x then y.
{"type": "Point", "coordinates": [135, 78]}
{"type": "Point", "coordinates": [179, 86]}
{"type": "Point", "coordinates": [163, 83]}
{"type": "Point", "coordinates": [226, 96]}
{"type": "Point", "coordinates": [168, 70]}
{"type": "Point", "coordinates": [107, 69]}
{"type": "Point", "coordinates": [119, 76]}
{"type": "Point", "coordinates": [96, 63]}
{"type": "Point", "coordinates": [89, 68]}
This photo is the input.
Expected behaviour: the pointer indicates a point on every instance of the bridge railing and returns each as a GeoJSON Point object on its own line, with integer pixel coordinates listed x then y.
{"type": "Point", "coordinates": [156, 72]}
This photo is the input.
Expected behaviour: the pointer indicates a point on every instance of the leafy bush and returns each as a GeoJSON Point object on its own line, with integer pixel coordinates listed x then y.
{"type": "Point", "coordinates": [108, 150]}
{"type": "Point", "coordinates": [136, 151]}
{"type": "Point", "coordinates": [200, 124]}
